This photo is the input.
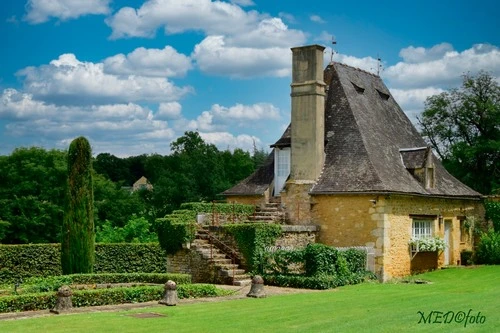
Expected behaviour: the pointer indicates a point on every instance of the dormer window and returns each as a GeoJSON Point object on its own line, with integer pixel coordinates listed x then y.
{"type": "Point", "coordinates": [383, 95]}
{"type": "Point", "coordinates": [419, 163]}
{"type": "Point", "coordinates": [358, 89]}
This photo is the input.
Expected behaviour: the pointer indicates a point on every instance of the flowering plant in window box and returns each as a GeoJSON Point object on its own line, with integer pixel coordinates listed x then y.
{"type": "Point", "coordinates": [430, 244]}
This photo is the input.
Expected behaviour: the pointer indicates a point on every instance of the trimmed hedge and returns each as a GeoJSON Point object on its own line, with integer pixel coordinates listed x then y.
{"type": "Point", "coordinates": [96, 297]}
{"type": "Point", "coordinates": [239, 211]}
{"type": "Point", "coordinates": [315, 282]}
{"type": "Point", "coordinates": [53, 283]}
{"type": "Point", "coordinates": [252, 239]}
{"type": "Point", "coordinates": [28, 260]}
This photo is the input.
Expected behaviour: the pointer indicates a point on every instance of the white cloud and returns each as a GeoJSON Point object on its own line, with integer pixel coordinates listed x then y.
{"type": "Point", "coordinates": [213, 56]}
{"type": "Point", "coordinates": [67, 80]}
{"type": "Point", "coordinates": [226, 140]}
{"type": "Point", "coordinates": [441, 65]}
{"type": "Point", "coordinates": [413, 54]}
{"type": "Point", "coordinates": [211, 17]}
{"type": "Point", "coordinates": [368, 64]}
{"type": "Point", "coordinates": [243, 2]}
{"type": "Point", "coordinates": [270, 32]}
{"type": "Point", "coordinates": [220, 118]}
{"type": "Point", "coordinates": [316, 19]}
{"type": "Point", "coordinates": [166, 62]}
{"type": "Point", "coordinates": [39, 11]}
{"type": "Point", "coordinates": [171, 110]}
{"type": "Point", "coordinates": [240, 112]}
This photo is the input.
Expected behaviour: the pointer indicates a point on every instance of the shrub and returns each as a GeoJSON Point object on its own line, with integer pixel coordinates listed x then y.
{"type": "Point", "coordinates": [322, 281]}
{"type": "Point", "coordinates": [176, 229]}
{"type": "Point", "coordinates": [466, 257]}
{"type": "Point", "coordinates": [136, 230]}
{"type": "Point", "coordinates": [488, 249]}
{"type": "Point", "coordinates": [252, 240]}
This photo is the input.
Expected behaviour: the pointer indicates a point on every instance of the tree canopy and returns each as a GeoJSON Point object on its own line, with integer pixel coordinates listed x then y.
{"type": "Point", "coordinates": [33, 183]}
{"type": "Point", "coordinates": [463, 127]}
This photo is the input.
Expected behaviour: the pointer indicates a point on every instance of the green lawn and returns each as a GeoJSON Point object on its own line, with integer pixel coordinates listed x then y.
{"type": "Point", "coordinates": [369, 307]}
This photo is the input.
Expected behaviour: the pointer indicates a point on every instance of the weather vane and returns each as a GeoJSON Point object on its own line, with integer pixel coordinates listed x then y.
{"type": "Point", "coordinates": [334, 42]}
{"type": "Point", "coordinates": [379, 65]}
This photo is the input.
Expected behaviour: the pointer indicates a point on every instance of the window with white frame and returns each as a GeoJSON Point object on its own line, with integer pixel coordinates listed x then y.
{"type": "Point", "coordinates": [422, 228]}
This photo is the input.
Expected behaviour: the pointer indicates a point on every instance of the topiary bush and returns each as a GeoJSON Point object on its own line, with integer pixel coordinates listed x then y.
{"type": "Point", "coordinates": [78, 236]}
{"type": "Point", "coordinates": [176, 229]}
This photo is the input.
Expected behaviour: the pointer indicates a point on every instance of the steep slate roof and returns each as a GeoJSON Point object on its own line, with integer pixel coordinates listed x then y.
{"type": "Point", "coordinates": [370, 143]}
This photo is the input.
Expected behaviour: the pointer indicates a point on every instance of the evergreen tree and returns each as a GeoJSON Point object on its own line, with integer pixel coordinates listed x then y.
{"type": "Point", "coordinates": [77, 246]}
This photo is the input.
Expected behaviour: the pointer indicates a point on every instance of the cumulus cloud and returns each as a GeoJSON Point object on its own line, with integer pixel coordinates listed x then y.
{"type": "Point", "coordinates": [211, 17]}
{"type": "Point", "coordinates": [213, 56]}
{"type": "Point", "coordinates": [67, 80]}
{"type": "Point", "coordinates": [316, 19]}
{"type": "Point", "coordinates": [270, 32]}
{"type": "Point", "coordinates": [243, 2]}
{"type": "Point", "coordinates": [442, 65]}
{"type": "Point", "coordinates": [220, 118]}
{"type": "Point", "coordinates": [226, 140]}
{"type": "Point", "coordinates": [166, 62]}
{"type": "Point", "coordinates": [130, 127]}
{"type": "Point", "coordinates": [170, 110]}
{"type": "Point", "coordinates": [40, 11]}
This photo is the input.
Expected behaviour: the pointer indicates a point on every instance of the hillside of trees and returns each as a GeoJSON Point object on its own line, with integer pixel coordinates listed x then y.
{"type": "Point", "coordinates": [33, 182]}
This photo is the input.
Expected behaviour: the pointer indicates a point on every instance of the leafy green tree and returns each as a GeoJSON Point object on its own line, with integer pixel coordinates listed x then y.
{"type": "Point", "coordinates": [136, 230]}
{"type": "Point", "coordinates": [32, 185]}
{"type": "Point", "coordinates": [78, 236]}
{"type": "Point", "coordinates": [463, 127]}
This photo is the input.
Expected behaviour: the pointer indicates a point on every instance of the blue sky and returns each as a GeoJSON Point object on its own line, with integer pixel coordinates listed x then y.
{"type": "Point", "coordinates": [132, 76]}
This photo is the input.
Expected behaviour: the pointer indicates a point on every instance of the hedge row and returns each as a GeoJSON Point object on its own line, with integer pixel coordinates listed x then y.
{"type": "Point", "coordinates": [315, 282]}
{"type": "Point", "coordinates": [96, 297]}
{"type": "Point", "coordinates": [23, 261]}
{"type": "Point", "coordinates": [53, 283]}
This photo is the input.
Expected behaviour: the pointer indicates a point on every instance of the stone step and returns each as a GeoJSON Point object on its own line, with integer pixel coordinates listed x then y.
{"type": "Point", "coordinates": [231, 272]}
{"type": "Point", "coordinates": [222, 262]}
{"type": "Point", "coordinates": [242, 283]}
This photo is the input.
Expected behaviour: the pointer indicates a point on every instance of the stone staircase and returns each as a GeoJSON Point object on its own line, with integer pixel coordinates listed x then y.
{"type": "Point", "coordinates": [270, 213]}
{"type": "Point", "coordinates": [229, 272]}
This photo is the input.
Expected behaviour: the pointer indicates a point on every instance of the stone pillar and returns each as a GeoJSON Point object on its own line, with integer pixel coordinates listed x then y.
{"type": "Point", "coordinates": [63, 302]}
{"type": "Point", "coordinates": [170, 298]}
{"type": "Point", "coordinates": [257, 289]}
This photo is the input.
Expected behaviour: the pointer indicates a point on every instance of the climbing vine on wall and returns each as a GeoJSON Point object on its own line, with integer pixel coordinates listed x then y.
{"type": "Point", "coordinates": [252, 240]}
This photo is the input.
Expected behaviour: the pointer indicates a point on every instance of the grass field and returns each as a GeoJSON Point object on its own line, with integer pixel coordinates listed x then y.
{"type": "Point", "coordinates": [369, 307]}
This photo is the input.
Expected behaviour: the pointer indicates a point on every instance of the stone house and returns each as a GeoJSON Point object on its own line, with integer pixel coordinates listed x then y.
{"type": "Point", "coordinates": [352, 163]}
{"type": "Point", "coordinates": [142, 184]}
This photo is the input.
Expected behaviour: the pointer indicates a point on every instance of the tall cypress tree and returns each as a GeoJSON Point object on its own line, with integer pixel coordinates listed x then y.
{"type": "Point", "coordinates": [78, 235]}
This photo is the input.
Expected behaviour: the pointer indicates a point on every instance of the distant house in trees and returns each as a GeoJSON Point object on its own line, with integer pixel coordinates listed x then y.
{"type": "Point", "coordinates": [142, 184]}
{"type": "Point", "coordinates": [353, 164]}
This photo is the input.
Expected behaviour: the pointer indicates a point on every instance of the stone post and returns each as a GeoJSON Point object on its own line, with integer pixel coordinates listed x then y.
{"type": "Point", "coordinates": [170, 298]}
{"type": "Point", "coordinates": [257, 289]}
{"type": "Point", "coordinates": [63, 302]}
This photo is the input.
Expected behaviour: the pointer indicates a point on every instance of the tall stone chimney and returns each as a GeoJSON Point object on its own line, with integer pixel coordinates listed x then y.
{"type": "Point", "coordinates": [307, 132]}
{"type": "Point", "coordinates": [308, 114]}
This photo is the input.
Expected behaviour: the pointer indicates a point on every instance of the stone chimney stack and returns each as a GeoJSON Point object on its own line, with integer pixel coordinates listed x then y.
{"type": "Point", "coordinates": [308, 113]}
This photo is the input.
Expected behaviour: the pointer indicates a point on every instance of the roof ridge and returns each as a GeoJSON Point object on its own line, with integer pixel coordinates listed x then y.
{"type": "Point", "coordinates": [355, 68]}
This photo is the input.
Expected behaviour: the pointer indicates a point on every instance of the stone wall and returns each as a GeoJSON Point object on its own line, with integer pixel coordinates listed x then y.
{"type": "Point", "coordinates": [188, 261]}
{"type": "Point", "coordinates": [402, 209]}
{"type": "Point", "coordinates": [385, 223]}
